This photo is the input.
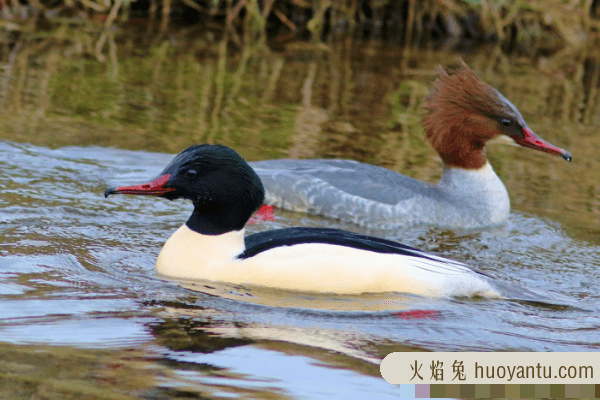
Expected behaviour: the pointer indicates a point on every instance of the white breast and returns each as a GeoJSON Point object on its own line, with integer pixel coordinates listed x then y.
{"type": "Point", "coordinates": [315, 267]}
{"type": "Point", "coordinates": [483, 194]}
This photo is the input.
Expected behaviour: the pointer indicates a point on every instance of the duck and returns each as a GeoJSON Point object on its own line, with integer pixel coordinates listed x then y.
{"type": "Point", "coordinates": [212, 245]}
{"type": "Point", "coordinates": [464, 113]}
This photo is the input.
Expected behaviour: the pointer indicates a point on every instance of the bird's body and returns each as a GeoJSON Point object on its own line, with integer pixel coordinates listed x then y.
{"type": "Point", "coordinates": [376, 197]}
{"type": "Point", "coordinates": [464, 113]}
{"type": "Point", "coordinates": [315, 260]}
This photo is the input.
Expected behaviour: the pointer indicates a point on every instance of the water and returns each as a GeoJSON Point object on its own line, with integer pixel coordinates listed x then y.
{"type": "Point", "coordinates": [77, 271]}
{"type": "Point", "coordinates": [82, 313]}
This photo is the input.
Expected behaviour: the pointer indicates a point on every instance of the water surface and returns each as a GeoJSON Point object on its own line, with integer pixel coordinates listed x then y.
{"type": "Point", "coordinates": [77, 271]}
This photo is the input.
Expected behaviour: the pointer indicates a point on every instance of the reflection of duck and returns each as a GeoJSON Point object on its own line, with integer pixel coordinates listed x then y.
{"type": "Point", "coordinates": [211, 245]}
{"type": "Point", "coordinates": [464, 114]}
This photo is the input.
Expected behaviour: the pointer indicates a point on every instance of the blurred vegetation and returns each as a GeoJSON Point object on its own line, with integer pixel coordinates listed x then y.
{"type": "Point", "coordinates": [529, 26]}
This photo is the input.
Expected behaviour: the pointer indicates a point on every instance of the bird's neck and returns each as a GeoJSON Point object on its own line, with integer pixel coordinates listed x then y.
{"type": "Point", "coordinates": [460, 149]}
{"type": "Point", "coordinates": [217, 219]}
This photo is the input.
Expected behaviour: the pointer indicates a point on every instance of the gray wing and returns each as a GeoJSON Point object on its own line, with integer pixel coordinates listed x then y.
{"type": "Point", "coordinates": [362, 193]}
{"type": "Point", "coordinates": [358, 179]}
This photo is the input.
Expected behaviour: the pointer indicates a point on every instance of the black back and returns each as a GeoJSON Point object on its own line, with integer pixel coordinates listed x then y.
{"type": "Point", "coordinates": [263, 241]}
{"type": "Point", "coordinates": [266, 240]}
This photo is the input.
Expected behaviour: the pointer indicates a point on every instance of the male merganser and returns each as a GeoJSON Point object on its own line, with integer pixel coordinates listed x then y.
{"type": "Point", "coordinates": [464, 113]}
{"type": "Point", "coordinates": [211, 245]}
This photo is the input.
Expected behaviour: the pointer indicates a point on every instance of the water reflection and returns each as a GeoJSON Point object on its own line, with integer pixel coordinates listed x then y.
{"type": "Point", "coordinates": [300, 376]}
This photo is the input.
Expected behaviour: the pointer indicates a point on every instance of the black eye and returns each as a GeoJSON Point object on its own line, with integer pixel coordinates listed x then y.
{"type": "Point", "coordinates": [190, 173]}
{"type": "Point", "coordinates": [506, 122]}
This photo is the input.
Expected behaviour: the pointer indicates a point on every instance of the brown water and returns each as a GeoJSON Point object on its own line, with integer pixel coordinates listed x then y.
{"type": "Point", "coordinates": [81, 312]}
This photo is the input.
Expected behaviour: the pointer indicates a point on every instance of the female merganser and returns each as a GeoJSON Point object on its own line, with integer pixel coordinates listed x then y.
{"type": "Point", "coordinates": [464, 113]}
{"type": "Point", "coordinates": [211, 245]}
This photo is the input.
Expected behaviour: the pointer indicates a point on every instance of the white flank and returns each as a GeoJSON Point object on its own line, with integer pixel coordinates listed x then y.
{"type": "Point", "coordinates": [315, 267]}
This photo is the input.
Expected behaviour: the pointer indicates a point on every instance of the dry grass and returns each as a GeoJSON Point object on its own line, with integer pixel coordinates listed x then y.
{"type": "Point", "coordinates": [530, 26]}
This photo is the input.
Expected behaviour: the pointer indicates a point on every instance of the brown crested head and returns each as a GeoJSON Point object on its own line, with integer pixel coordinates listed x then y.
{"type": "Point", "coordinates": [465, 112]}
